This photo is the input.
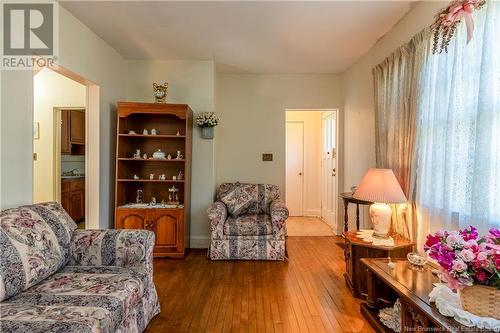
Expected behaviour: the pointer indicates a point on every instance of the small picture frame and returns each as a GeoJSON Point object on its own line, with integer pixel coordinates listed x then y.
{"type": "Point", "coordinates": [36, 130]}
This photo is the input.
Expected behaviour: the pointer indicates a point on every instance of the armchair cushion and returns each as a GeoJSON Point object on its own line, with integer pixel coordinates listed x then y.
{"type": "Point", "coordinates": [252, 198]}
{"type": "Point", "coordinates": [248, 225]}
{"type": "Point", "coordinates": [125, 248]}
{"type": "Point", "coordinates": [237, 199]}
{"type": "Point", "coordinates": [34, 244]}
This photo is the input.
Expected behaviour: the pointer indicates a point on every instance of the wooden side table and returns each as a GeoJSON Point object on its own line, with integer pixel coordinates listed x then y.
{"type": "Point", "coordinates": [412, 288]}
{"type": "Point", "coordinates": [355, 248]}
{"type": "Point", "coordinates": [347, 197]}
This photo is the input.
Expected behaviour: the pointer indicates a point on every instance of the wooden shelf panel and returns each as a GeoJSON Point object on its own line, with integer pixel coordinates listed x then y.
{"type": "Point", "coordinates": [148, 160]}
{"type": "Point", "coordinates": [149, 136]}
{"type": "Point", "coordinates": [151, 180]}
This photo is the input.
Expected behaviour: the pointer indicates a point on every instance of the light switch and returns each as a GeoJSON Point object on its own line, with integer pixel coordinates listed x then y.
{"type": "Point", "coordinates": [267, 157]}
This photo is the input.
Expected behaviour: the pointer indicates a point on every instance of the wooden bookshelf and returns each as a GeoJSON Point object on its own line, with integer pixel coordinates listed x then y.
{"type": "Point", "coordinates": [171, 225]}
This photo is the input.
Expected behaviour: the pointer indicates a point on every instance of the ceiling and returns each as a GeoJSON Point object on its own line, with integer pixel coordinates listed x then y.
{"type": "Point", "coordinates": [241, 36]}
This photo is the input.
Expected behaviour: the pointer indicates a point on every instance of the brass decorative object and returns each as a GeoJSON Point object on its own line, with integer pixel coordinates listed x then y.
{"type": "Point", "coordinates": [160, 92]}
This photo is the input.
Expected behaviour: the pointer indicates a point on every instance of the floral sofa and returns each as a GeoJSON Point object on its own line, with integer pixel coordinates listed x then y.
{"type": "Point", "coordinates": [248, 222]}
{"type": "Point", "coordinates": [54, 278]}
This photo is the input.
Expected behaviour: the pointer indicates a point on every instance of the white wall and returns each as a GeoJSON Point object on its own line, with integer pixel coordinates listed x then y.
{"type": "Point", "coordinates": [359, 108]}
{"type": "Point", "coordinates": [50, 90]}
{"type": "Point", "coordinates": [193, 83]}
{"type": "Point", "coordinates": [312, 158]}
{"type": "Point", "coordinates": [252, 110]}
{"type": "Point", "coordinates": [82, 52]}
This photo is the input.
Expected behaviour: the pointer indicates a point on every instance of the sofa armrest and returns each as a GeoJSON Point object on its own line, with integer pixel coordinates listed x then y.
{"type": "Point", "coordinates": [279, 214]}
{"type": "Point", "coordinates": [217, 214]}
{"type": "Point", "coordinates": [113, 247]}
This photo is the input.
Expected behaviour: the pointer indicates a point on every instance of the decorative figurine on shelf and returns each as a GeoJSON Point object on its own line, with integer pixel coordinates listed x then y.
{"type": "Point", "coordinates": [151, 176]}
{"type": "Point", "coordinates": [131, 132]}
{"type": "Point", "coordinates": [180, 176]}
{"type": "Point", "coordinates": [153, 131]}
{"type": "Point", "coordinates": [162, 177]}
{"type": "Point", "coordinates": [137, 153]}
{"type": "Point", "coordinates": [160, 92]}
{"type": "Point", "coordinates": [136, 177]}
{"type": "Point", "coordinates": [178, 132]}
{"type": "Point", "coordinates": [163, 202]}
{"type": "Point", "coordinates": [159, 155]}
{"type": "Point", "coordinates": [145, 156]}
{"type": "Point", "coordinates": [139, 196]}
{"type": "Point", "coordinates": [179, 155]}
{"type": "Point", "coordinates": [145, 132]}
{"type": "Point", "coordinates": [174, 177]}
{"type": "Point", "coordinates": [153, 201]}
{"type": "Point", "coordinates": [169, 157]}
{"type": "Point", "coordinates": [173, 196]}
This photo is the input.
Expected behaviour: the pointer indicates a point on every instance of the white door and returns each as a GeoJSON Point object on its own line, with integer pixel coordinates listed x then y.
{"type": "Point", "coordinates": [328, 168]}
{"type": "Point", "coordinates": [295, 167]}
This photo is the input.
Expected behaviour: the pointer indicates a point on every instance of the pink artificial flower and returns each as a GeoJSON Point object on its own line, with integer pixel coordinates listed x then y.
{"type": "Point", "coordinates": [441, 233]}
{"type": "Point", "coordinates": [469, 233]}
{"type": "Point", "coordinates": [481, 276]}
{"type": "Point", "coordinates": [495, 232]}
{"type": "Point", "coordinates": [445, 259]}
{"type": "Point", "coordinates": [454, 239]}
{"type": "Point", "coordinates": [466, 255]}
{"type": "Point", "coordinates": [459, 265]}
{"type": "Point", "coordinates": [482, 256]}
{"type": "Point", "coordinates": [431, 241]}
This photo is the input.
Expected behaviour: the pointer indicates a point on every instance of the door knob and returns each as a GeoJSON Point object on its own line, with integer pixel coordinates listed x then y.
{"type": "Point", "coordinates": [300, 173]}
{"type": "Point", "coordinates": [334, 172]}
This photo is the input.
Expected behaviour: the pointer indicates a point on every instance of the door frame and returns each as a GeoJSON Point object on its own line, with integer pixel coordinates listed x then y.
{"type": "Point", "coordinates": [92, 146]}
{"type": "Point", "coordinates": [303, 155]}
{"type": "Point", "coordinates": [338, 162]}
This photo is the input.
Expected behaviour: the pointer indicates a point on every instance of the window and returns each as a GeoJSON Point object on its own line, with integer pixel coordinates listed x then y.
{"type": "Point", "coordinates": [458, 131]}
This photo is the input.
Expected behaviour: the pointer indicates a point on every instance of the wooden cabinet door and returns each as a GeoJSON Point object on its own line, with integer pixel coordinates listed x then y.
{"type": "Point", "coordinates": [65, 202]}
{"type": "Point", "coordinates": [131, 219]}
{"type": "Point", "coordinates": [65, 144]}
{"type": "Point", "coordinates": [77, 127]}
{"type": "Point", "coordinates": [168, 226]}
{"type": "Point", "coordinates": [76, 204]}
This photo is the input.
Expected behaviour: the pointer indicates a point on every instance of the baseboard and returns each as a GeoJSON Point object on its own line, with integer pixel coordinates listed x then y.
{"type": "Point", "coordinates": [312, 212]}
{"type": "Point", "coordinates": [197, 242]}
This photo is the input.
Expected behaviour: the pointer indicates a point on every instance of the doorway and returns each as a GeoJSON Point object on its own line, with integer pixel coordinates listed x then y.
{"type": "Point", "coordinates": [311, 171]}
{"type": "Point", "coordinates": [66, 143]}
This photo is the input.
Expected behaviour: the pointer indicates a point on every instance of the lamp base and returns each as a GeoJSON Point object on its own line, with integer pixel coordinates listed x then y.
{"type": "Point", "coordinates": [381, 214]}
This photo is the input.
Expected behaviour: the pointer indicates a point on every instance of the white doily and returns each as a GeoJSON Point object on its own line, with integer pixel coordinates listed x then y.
{"type": "Point", "coordinates": [391, 317]}
{"type": "Point", "coordinates": [367, 236]}
{"type": "Point", "coordinates": [448, 303]}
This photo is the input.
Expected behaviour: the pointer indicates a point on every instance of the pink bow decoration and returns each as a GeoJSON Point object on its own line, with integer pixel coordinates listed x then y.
{"type": "Point", "coordinates": [456, 12]}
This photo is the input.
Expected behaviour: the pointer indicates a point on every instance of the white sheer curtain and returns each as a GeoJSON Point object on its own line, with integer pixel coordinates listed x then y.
{"type": "Point", "coordinates": [458, 131]}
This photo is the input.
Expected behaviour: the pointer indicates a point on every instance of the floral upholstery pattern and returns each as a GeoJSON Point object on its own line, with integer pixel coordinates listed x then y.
{"type": "Point", "coordinates": [257, 233]}
{"type": "Point", "coordinates": [254, 198]}
{"type": "Point", "coordinates": [248, 225]}
{"type": "Point", "coordinates": [125, 248]}
{"type": "Point", "coordinates": [104, 284]}
{"type": "Point", "coordinates": [34, 243]}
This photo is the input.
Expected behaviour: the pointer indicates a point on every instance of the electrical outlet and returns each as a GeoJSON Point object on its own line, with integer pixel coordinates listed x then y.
{"type": "Point", "coordinates": [267, 157]}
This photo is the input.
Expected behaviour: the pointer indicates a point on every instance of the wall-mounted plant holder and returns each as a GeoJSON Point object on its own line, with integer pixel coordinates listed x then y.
{"type": "Point", "coordinates": [207, 132]}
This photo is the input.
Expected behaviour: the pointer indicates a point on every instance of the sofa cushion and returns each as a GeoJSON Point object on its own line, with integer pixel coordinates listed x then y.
{"type": "Point", "coordinates": [34, 243]}
{"type": "Point", "coordinates": [248, 225]}
{"type": "Point", "coordinates": [250, 198]}
{"type": "Point", "coordinates": [82, 299]}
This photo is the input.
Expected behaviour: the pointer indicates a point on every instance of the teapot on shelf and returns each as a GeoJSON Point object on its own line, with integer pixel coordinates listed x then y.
{"type": "Point", "coordinates": [159, 155]}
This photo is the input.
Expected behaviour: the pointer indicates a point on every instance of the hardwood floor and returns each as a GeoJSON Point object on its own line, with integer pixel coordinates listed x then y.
{"type": "Point", "coordinates": [307, 293]}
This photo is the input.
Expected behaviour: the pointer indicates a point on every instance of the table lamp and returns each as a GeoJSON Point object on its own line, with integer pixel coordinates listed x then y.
{"type": "Point", "coordinates": [381, 187]}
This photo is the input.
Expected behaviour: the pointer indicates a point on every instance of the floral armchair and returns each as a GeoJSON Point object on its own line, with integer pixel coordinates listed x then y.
{"type": "Point", "coordinates": [248, 222]}
{"type": "Point", "coordinates": [54, 278]}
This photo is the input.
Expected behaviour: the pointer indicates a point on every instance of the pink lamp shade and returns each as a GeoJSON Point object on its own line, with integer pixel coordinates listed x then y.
{"type": "Point", "coordinates": [380, 185]}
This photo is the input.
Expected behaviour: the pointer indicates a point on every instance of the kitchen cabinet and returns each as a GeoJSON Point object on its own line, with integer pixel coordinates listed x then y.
{"type": "Point", "coordinates": [73, 132]}
{"type": "Point", "coordinates": [73, 197]}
